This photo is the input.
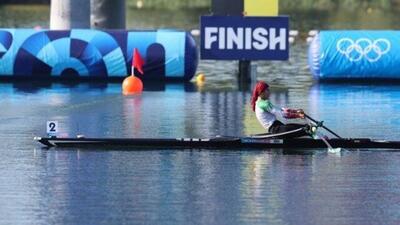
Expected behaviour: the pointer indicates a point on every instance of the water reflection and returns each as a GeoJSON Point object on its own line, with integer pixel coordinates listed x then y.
{"type": "Point", "coordinates": [32, 87]}
{"type": "Point", "coordinates": [177, 110]}
{"type": "Point", "coordinates": [363, 110]}
{"type": "Point", "coordinates": [211, 187]}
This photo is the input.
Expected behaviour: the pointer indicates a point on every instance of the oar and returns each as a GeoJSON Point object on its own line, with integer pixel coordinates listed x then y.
{"type": "Point", "coordinates": [320, 124]}
{"type": "Point", "coordinates": [330, 148]}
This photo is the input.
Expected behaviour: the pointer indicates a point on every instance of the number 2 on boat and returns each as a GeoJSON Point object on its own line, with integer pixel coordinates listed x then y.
{"type": "Point", "coordinates": [52, 127]}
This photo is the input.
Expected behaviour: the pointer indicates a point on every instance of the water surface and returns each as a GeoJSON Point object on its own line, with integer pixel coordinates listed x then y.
{"type": "Point", "coordinates": [93, 186]}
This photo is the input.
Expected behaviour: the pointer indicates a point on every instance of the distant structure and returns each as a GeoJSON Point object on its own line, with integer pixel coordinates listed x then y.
{"type": "Point", "coordinates": [69, 14]}
{"type": "Point", "coordinates": [227, 7]}
{"type": "Point", "coordinates": [108, 14]}
{"type": "Point", "coordinates": [97, 14]}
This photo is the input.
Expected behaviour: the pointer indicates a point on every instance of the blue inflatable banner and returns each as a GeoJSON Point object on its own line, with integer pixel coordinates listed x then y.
{"type": "Point", "coordinates": [244, 38]}
{"type": "Point", "coordinates": [96, 54]}
{"type": "Point", "coordinates": [355, 54]}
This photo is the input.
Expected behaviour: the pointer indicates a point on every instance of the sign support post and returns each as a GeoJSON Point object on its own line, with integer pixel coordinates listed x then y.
{"type": "Point", "coordinates": [244, 71]}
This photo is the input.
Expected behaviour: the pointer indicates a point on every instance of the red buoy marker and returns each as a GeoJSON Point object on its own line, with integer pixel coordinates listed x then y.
{"type": "Point", "coordinates": [132, 84]}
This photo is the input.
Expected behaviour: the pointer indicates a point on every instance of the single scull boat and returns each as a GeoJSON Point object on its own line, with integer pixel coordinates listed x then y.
{"type": "Point", "coordinates": [217, 143]}
{"type": "Point", "coordinates": [258, 141]}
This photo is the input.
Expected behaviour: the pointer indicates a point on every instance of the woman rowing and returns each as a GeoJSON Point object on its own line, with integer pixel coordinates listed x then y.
{"type": "Point", "coordinates": [266, 114]}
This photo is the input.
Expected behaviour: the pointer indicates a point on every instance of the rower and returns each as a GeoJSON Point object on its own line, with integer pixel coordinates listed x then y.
{"type": "Point", "coordinates": [266, 113]}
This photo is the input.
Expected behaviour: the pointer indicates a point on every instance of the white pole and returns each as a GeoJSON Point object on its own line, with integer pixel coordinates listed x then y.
{"type": "Point", "coordinates": [69, 14]}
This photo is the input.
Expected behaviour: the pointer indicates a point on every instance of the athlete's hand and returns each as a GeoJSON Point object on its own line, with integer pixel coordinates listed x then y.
{"type": "Point", "coordinates": [300, 114]}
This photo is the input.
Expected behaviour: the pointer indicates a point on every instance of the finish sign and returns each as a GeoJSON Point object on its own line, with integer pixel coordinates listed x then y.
{"type": "Point", "coordinates": [244, 38]}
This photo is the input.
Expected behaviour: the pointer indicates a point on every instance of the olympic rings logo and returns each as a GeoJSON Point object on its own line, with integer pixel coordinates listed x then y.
{"type": "Point", "coordinates": [363, 48]}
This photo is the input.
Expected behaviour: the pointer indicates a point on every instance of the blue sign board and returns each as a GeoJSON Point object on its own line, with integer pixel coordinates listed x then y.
{"type": "Point", "coordinates": [244, 38]}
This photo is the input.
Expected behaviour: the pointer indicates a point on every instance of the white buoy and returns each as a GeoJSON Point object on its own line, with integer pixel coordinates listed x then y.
{"type": "Point", "coordinates": [293, 33]}
{"type": "Point", "coordinates": [195, 32]}
{"type": "Point", "coordinates": [291, 40]}
{"type": "Point", "coordinates": [309, 39]}
{"type": "Point", "coordinates": [312, 32]}
{"type": "Point", "coordinates": [139, 4]}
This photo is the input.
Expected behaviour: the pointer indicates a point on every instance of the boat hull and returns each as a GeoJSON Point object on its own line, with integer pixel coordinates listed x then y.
{"type": "Point", "coordinates": [216, 143]}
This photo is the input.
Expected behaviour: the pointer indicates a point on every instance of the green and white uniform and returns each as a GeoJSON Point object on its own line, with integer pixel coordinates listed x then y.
{"type": "Point", "coordinates": [266, 112]}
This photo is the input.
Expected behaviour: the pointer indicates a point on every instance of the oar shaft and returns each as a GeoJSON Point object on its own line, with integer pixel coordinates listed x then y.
{"type": "Point", "coordinates": [315, 121]}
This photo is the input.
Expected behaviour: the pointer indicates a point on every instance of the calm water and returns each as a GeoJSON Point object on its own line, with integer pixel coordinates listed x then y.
{"type": "Point", "coordinates": [76, 186]}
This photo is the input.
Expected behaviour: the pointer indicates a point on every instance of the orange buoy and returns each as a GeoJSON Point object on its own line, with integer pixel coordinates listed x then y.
{"type": "Point", "coordinates": [132, 85]}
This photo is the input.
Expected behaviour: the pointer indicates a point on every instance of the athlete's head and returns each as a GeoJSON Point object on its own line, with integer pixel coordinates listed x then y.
{"type": "Point", "coordinates": [260, 90]}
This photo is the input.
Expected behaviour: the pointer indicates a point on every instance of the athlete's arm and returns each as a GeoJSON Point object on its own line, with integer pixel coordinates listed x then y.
{"type": "Point", "coordinates": [293, 113]}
